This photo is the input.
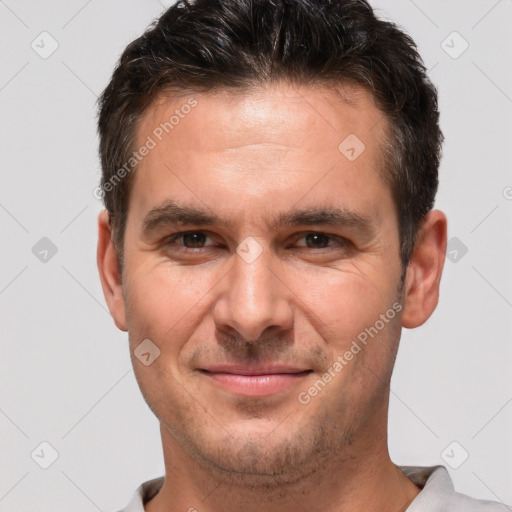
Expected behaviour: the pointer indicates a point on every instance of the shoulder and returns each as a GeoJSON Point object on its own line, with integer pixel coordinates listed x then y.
{"type": "Point", "coordinates": [438, 494]}
{"type": "Point", "coordinates": [461, 502]}
{"type": "Point", "coordinates": [143, 494]}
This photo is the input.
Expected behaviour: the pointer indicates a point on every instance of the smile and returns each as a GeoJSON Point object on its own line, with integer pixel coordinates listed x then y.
{"type": "Point", "coordinates": [255, 382]}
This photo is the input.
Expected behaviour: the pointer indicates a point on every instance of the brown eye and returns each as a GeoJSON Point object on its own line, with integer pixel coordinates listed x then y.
{"type": "Point", "coordinates": [189, 240]}
{"type": "Point", "coordinates": [194, 240]}
{"type": "Point", "coordinates": [317, 240]}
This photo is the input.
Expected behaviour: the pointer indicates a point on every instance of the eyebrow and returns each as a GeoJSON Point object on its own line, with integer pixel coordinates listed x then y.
{"type": "Point", "coordinates": [172, 213]}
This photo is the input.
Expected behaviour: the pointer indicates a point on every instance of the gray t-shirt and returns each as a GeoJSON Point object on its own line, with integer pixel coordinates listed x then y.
{"type": "Point", "coordinates": [437, 493]}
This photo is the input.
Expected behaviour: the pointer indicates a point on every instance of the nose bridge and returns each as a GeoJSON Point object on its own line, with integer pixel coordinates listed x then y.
{"type": "Point", "coordinates": [254, 298]}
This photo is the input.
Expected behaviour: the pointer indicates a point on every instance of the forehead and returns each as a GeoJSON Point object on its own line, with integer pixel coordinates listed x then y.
{"type": "Point", "coordinates": [262, 145]}
{"type": "Point", "coordinates": [264, 114]}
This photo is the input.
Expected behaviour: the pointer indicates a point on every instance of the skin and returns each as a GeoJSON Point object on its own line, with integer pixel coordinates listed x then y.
{"type": "Point", "coordinates": [248, 157]}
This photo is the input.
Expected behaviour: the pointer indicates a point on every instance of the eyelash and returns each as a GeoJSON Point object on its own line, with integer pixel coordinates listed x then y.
{"type": "Point", "coordinates": [172, 238]}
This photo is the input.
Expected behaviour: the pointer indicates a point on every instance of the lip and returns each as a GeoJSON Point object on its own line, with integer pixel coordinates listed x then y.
{"type": "Point", "coordinates": [255, 382]}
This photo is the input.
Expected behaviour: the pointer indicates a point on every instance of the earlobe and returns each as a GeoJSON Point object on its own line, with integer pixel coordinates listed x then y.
{"type": "Point", "coordinates": [421, 293]}
{"type": "Point", "coordinates": [108, 267]}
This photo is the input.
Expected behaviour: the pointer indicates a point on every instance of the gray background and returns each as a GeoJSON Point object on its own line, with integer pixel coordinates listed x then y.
{"type": "Point", "coordinates": [65, 371]}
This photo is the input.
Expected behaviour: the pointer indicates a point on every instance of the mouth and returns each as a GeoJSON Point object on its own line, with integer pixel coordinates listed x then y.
{"type": "Point", "coordinates": [255, 382]}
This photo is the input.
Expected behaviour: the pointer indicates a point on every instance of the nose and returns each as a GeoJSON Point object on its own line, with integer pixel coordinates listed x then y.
{"type": "Point", "coordinates": [254, 298]}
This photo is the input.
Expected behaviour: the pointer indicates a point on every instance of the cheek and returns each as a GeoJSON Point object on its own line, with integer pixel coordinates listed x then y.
{"type": "Point", "coordinates": [164, 303]}
{"type": "Point", "coordinates": [345, 301]}
{"type": "Point", "coordinates": [357, 314]}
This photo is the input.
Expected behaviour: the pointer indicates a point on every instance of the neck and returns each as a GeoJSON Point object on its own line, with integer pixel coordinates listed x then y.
{"type": "Point", "coordinates": [364, 478]}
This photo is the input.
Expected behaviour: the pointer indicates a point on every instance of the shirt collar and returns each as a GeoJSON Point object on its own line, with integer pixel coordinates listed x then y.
{"type": "Point", "coordinates": [435, 484]}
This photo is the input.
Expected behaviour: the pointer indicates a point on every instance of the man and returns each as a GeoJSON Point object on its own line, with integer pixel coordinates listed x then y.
{"type": "Point", "coordinates": [269, 174]}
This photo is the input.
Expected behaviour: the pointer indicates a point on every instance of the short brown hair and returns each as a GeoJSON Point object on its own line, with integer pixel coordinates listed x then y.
{"type": "Point", "coordinates": [210, 45]}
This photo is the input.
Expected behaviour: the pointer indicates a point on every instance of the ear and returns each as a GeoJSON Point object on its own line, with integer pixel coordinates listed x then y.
{"type": "Point", "coordinates": [423, 277]}
{"type": "Point", "coordinates": [108, 267]}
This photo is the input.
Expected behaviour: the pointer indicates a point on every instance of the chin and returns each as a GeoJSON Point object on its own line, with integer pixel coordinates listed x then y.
{"type": "Point", "coordinates": [266, 459]}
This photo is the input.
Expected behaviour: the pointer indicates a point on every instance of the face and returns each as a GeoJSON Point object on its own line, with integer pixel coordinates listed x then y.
{"type": "Point", "coordinates": [261, 258]}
